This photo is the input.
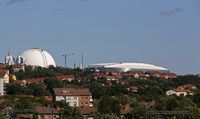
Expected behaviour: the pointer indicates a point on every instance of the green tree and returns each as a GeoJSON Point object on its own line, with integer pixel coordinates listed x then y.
{"type": "Point", "coordinates": [139, 113]}
{"type": "Point", "coordinates": [14, 89]}
{"type": "Point", "coordinates": [171, 103]}
{"type": "Point", "coordinates": [53, 83]}
{"type": "Point", "coordinates": [68, 112]}
{"type": "Point", "coordinates": [105, 116]}
{"type": "Point", "coordinates": [24, 103]}
{"type": "Point", "coordinates": [196, 99]}
{"type": "Point", "coordinates": [109, 105]}
{"type": "Point", "coordinates": [37, 90]}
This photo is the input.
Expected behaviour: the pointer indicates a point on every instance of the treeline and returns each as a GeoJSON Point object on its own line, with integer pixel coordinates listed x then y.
{"type": "Point", "coordinates": [35, 72]}
{"type": "Point", "coordinates": [108, 99]}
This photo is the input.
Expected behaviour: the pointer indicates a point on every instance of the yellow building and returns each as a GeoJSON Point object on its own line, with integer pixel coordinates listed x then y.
{"type": "Point", "coordinates": [4, 74]}
{"type": "Point", "coordinates": [13, 77]}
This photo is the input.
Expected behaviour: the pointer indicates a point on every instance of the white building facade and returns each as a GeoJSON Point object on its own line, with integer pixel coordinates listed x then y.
{"type": "Point", "coordinates": [71, 100]}
{"type": "Point", "coordinates": [74, 97]}
{"type": "Point", "coordinates": [176, 92]}
{"type": "Point", "coordinates": [1, 86]}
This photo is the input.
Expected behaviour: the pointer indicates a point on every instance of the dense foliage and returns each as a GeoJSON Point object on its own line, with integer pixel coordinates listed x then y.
{"type": "Point", "coordinates": [108, 99]}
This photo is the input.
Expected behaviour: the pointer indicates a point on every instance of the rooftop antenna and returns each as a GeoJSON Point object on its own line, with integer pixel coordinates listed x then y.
{"type": "Point", "coordinates": [9, 51]}
{"type": "Point", "coordinates": [82, 58]}
{"type": "Point", "coordinates": [65, 56]}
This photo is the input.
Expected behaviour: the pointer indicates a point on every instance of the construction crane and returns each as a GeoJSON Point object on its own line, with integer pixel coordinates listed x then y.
{"type": "Point", "coordinates": [65, 56]}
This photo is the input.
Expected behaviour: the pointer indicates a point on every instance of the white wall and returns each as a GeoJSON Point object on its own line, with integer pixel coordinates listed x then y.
{"type": "Point", "coordinates": [1, 86]}
{"type": "Point", "coordinates": [72, 100]}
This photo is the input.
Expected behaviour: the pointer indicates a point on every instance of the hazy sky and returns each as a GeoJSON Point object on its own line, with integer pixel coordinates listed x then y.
{"type": "Point", "coordinates": [161, 32]}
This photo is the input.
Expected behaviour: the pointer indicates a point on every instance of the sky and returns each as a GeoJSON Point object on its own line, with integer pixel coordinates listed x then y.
{"type": "Point", "coordinates": [160, 32]}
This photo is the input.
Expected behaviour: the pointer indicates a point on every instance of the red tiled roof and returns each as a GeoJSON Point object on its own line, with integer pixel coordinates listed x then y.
{"type": "Point", "coordinates": [3, 72]}
{"type": "Point", "coordinates": [67, 77]}
{"type": "Point", "coordinates": [46, 110]}
{"type": "Point", "coordinates": [72, 92]}
{"type": "Point", "coordinates": [180, 90]}
{"type": "Point", "coordinates": [2, 66]}
{"type": "Point", "coordinates": [186, 86]}
{"type": "Point", "coordinates": [17, 66]}
{"type": "Point", "coordinates": [134, 88]}
{"type": "Point", "coordinates": [87, 110]}
{"type": "Point", "coordinates": [30, 81]}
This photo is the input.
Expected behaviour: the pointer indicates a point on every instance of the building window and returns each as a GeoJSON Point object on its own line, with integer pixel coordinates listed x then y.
{"type": "Point", "coordinates": [82, 98]}
{"type": "Point", "coordinates": [75, 98]}
{"type": "Point", "coordinates": [75, 104]}
{"type": "Point", "coordinates": [86, 97]}
{"type": "Point", "coordinates": [86, 102]}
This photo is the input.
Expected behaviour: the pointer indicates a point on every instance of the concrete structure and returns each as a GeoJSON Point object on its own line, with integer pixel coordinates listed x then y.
{"type": "Point", "coordinates": [1, 87]}
{"type": "Point", "coordinates": [9, 60]}
{"type": "Point", "coordinates": [4, 79]}
{"type": "Point", "coordinates": [127, 67]}
{"type": "Point", "coordinates": [74, 97]}
{"type": "Point", "coordinates": [36, 57]}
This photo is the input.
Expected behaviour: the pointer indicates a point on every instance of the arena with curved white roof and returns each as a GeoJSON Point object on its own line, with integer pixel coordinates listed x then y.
{"type": "Point", "coordinates": [126, 67]}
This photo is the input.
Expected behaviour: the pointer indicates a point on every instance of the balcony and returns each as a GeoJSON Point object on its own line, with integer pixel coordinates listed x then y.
{"type": "Point", "coordinates": [91, 105]}
{"type": "Point", "coordinates": [91, 100]}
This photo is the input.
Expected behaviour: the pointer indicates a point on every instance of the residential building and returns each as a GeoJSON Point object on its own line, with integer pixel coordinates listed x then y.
{"type": "Point", "coordinates": [30, 81]}
{"type": "Point", "coordinates": [13, 77]}
{"type": "Point", "coordinates": [187, 89]}
{"type": "Point", "coordinates": [66, 77]}
{"type": "Point", "coordinates": [87, 112]}
{"type": "Point", "coordinates": [133, 88]}
{"type": "Point", "coordinates": [177, 92]}
{"type": "Point", "coordinates": [4, 74]}
{"type": "Point", "coordinates": [74, 97]}
{"type": "Point", "coordinates": [46, 112]}
{"type": "Point", "coordinates": [18, 67]}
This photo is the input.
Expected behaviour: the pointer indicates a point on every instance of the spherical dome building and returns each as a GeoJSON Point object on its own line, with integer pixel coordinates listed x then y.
{"type": "Point", "coordinates": [36, 57]}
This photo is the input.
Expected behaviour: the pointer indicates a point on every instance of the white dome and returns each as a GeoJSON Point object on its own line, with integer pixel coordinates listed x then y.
{"type": "Point", "coordinates": [37, 57]}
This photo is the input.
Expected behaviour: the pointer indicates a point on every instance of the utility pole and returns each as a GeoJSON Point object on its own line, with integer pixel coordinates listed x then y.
{"type": "Point", "coordinates": [65, 56]}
